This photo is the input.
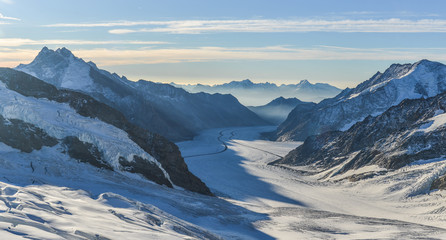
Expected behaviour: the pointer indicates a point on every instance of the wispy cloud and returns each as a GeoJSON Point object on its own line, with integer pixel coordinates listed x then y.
{"type": "Point", "coordinates": [8, 18]}
{"type": "Point", "coordinates": [268, 26]}
{"type": "Point", "coordinates": [111, 57]}
{"type": "Point", "coordinates": [7, 1]}
{"type": "Point", "coordinates": [272, 53]}
{"type": "Point", "coordinates": [16, 42]}
{"type": "Point", "coordinates": [109, 24]}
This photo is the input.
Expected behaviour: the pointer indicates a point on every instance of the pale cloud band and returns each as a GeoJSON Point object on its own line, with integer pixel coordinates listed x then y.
{"type": "Point", "coordinates": [16, 42]}
{"type": "Point", "coordinates": [268, 26]}
{"type": "Point", "coordinates": [109, 57]}
{"type": "Point", "coordinates": [273, 53]}
{"type": "Point", "coordinates": [3, 17]}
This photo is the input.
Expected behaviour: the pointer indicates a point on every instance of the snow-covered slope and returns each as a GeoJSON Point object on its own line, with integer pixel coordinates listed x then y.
{"type": "Point", "coordinates": [412, 132]}
{"type": "Point", "coordinates": [160, 108]}
{"type": "Point", "coordinates": [257, 94]}
{"type": "Point", "coordinates": [34, 114]}
{"type": "Point", "coordinates": [278, 109]}
{"type": "Point", "coordinates": [372, 97]}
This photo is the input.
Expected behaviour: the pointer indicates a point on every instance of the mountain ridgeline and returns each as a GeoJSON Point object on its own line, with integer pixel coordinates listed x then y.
{"type": "Point", "coordinates": [161, 108]}
{"type": "Point", "coordinates": [372, 97]}
{"type": "Point", "coordinates": [36, 116]}
{"type": "Point", "coordinates": [257, 94]}
{"type": "Point", "coordinates": [278, 109]}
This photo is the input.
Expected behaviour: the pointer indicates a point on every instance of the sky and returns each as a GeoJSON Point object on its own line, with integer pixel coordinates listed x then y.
{"type": "Point", "coordinates": [342, 42]}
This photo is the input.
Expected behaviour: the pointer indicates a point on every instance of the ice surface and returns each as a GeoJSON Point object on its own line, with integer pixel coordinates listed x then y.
{"type": "Point", "coordinates": [300, 206]}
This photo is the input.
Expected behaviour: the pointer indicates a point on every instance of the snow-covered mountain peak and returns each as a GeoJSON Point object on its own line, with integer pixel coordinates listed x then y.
{"type": "Point", "coordinates": [304, 82]}
{"type": "Point", "coordinates": [60, 68]}
{"type": "Point", "coordinates": [241, 84]}
{"type": "Point", "coordinates": [247, 82]}
{"type": "Point", "coordinates": [422, 79]}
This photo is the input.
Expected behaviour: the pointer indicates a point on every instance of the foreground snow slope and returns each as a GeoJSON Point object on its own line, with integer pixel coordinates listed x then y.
{"type": "Point", "coordinates": [299, 206]}
{"type": "Point", "coordinates": [44, 195]}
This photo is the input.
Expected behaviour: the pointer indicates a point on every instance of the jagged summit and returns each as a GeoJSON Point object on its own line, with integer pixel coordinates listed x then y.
{"type": "Point", "coordinates": [304, 82]}
{"type": "Point", "coordinates": [64, 52]}
{"type": "Point", "coordinates": [60, 68]}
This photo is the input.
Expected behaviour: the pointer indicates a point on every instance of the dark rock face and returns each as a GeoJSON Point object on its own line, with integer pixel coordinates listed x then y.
{"type": "Point", "coordinates": [372, 97]}
{"type": "Point", "coordinates": [24, 136]}
{"type": "Point", "coordinates": [147, 169]}
{"type": "Point", "coordinates": [398, 137]}
{"type": "Point", "coordinates": [166, 152]}
{"type": "Point", "coordinates": [439, 183]}
{"type": "Point", "coordinates": [85, 152]}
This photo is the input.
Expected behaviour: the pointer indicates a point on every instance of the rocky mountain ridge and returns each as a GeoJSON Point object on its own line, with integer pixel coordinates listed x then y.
{"type": "Point", "coordinates": [372, 97]}
{"type": "Point", "coordinates": [160, 108]}
{"type": "Point", "coordinates": [412, 132]}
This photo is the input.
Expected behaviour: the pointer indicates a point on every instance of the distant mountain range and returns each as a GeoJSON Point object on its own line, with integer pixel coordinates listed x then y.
{"type": "Point", "coordinates": [277, 110]}
{"type": "Point", "coordinates": [46, 128]}
{"type": "Point", "coordinates": [257, 94]}
{"type": "Point", "coordinates": [410, 132]}
{"type": "Point", "coordinates": [160, 108]}
{"type": "Point", "coordinates": [372, 97]}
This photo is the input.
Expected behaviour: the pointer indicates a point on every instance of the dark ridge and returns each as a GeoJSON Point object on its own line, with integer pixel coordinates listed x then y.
{"type": "Point", "coordinates": [166, 152]}
{"type": "Point", "coordinates": [24, 136]}
{"type": "Point", "coordinates": [85, 152]}
{"type": "Point", "coordinates": [439, 183]}
{"type": "Point", "coordinates": [146, 168]}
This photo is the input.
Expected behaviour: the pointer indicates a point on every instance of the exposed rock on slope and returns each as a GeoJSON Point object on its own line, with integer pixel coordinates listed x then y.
{"type": "Point", "coordinates": [414, 130]}
{"type": "Point", "coordinates": [439, 183]}
{"type": "Point", "coordinates": [37, 114]}
{"type": "Point", "coordinates": [372, 97]}
{"type": "Point", "coordinates": [160, 108]}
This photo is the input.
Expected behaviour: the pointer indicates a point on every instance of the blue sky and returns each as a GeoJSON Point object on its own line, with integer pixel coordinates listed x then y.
{"type": "Point", "coordinates": [338, 42]}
